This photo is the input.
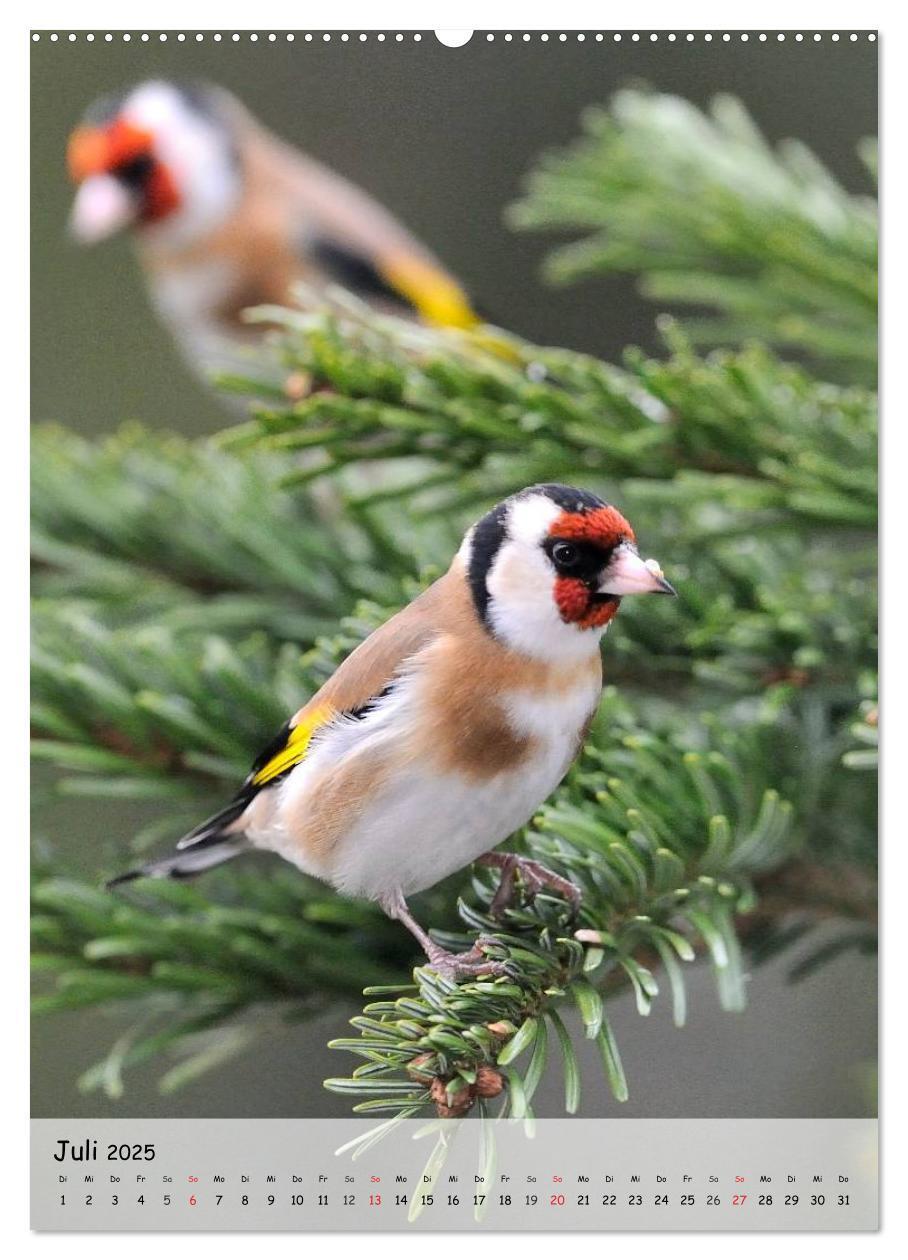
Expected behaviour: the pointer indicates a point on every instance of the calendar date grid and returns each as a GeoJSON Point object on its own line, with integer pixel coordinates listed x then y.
{"type": "Point", "coordinates": [288, 1175]}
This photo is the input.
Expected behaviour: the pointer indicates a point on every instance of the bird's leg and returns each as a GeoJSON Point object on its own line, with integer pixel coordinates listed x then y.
{"type": "Point", "coordinates": [534, 875]}
{"type": "Point", "coordinates": [470, 963]}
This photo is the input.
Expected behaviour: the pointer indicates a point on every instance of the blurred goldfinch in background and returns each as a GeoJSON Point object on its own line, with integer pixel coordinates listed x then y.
{"type": "Point", "coordinates": [226, 216]}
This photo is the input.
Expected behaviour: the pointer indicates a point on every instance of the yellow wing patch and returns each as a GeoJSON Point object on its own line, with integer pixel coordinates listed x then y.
{"type": "Point", "coordinates": [439, 299]}
{"type": "Point", "coordinates": [442, 302]}
{"type": "Point", "coordinates": [294, 749]}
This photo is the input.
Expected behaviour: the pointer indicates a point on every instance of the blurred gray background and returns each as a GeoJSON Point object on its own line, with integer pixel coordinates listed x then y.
{"type": "Point", "coordinates": [443, 137]}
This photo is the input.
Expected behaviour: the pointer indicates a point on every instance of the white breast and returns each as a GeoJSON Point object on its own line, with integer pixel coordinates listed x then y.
{"type": "Point", "coordinates": [187, 298]}
{"type": "Point", "coordinates": [553, 716]}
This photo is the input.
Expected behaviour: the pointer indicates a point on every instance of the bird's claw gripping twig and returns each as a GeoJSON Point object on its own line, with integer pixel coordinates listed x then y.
{"type": "Point", "coordinates": [471, 962]}
{"type": "Point", "coordinates": [535, 877]}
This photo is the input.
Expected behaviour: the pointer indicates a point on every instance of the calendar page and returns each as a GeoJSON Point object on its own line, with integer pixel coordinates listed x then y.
{"type": "Point", "coordinates": [454, 674]}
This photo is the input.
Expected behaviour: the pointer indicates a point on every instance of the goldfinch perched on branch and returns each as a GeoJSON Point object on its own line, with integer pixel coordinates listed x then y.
{"type": "Point", "coordinates": [226, 216]}
{"type": "Point", "coordinates": [443, 732]}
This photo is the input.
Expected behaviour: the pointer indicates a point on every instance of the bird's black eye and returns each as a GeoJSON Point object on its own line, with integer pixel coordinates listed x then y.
{"type": "Point", "coordinates": [565, 555]}
{"type": "Point", "coordinates": [135, 172]}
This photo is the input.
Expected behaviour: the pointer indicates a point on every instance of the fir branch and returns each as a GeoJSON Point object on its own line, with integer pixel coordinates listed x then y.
{"type": "Point", "coordinates": [708, 214]}
{"type": "Point", "coordinates": [202, 972]}
{"type": "Point", "coordinates": [247, 939]}
{"type": "Point", "coordinates": [150, 713]}
{"type": "Point", "coordinates": [793, 449]}
{"type": "Point", "coordinates": [154, 527]}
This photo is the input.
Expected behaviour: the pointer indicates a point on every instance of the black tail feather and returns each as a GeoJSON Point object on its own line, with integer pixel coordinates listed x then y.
{"type": "Point", "coordinates": [184, 864]}
{"type": "Point", "coordinates": [217, 825]}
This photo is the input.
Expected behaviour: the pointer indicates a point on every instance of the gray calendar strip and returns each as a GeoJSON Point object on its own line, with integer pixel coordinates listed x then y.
{"type": "Point", "coordinates": [456, 1175]}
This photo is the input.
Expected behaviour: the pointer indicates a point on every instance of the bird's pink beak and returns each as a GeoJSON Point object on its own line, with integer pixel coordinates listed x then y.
{"type": "Point", "coordinates": [102, 206]}
{"type": "Point", "coordinates": [627, 574]}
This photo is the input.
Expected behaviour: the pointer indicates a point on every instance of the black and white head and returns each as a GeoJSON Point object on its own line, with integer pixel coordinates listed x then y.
{"type": "Point", "coordinates": [548, 567]}
{"type": "Point", "coordinates": [160, 158]}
